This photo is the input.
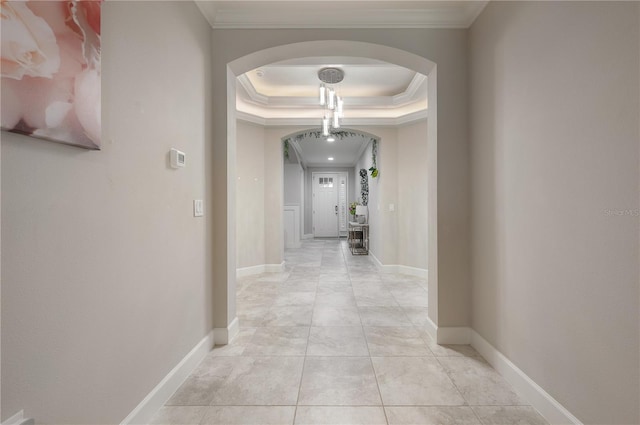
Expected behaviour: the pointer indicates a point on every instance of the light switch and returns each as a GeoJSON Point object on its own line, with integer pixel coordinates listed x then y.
{"type": "Point", "coordinates": [198, 208]}
{"type": "Point", "coordinates": [392, 207]}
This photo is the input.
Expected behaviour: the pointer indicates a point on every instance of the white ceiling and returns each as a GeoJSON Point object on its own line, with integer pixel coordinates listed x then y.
{"type": "Point", "coordinates": [361, 79]}
{"type": "Point", "coordinates": [341, 14]}
{"type": "Point", "coordinates": [374, 92]}
{"type": "Point", "coordinates": [315, 150]}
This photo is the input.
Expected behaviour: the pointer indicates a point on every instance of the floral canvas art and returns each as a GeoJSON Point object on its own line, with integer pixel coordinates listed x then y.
{"type": "Point", "coordinates": [51, 70]}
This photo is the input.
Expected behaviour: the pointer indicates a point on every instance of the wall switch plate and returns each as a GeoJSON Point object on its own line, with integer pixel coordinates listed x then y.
{"type": "Point", "coordinates": [392, 207]}
{"type": "Point", "coordinates": [198, 208]}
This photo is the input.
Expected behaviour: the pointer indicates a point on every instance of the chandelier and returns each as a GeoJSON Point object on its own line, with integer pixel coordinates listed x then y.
{"type": "Point", "coordinates": [332, 103]}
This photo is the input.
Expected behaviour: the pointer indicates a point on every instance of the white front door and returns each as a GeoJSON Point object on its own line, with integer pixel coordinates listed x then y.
{"type": "Point", "coordinates": [325, 205]}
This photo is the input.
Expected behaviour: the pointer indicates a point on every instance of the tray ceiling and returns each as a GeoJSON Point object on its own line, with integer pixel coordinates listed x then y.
{"type": "Point", "coordinates": [374, 92]}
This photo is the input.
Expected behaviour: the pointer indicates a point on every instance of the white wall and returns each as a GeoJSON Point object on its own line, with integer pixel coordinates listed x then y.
{"type": "Point", "coordinates": [250, 195]}
{"type": "Point", "coordinates": [412, 216]}
{"type": "Point", "coordinates": [554, 137]}
{"type": "Point", "coordinates": [375, 229]}
{"type": "Point", "coordinates": [274, 197]}
{"type": "Point", "coordinates": [106, 274]}
{"type": "Point", "coordinates": [398, 237]}
{"type": "Point", "coordinates": [383, 191]}
{"type": "Point", "coordinates": [293, 178]}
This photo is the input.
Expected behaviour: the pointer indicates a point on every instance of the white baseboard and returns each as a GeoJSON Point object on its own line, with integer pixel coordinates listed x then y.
{"type": "Point", "coordinates": [223, 336]}
{"type": "Point", "coordinates": [169, 384]}
{"type": "Point", "coordinates": [260, 268]}
{"type": "Point", "coordinates": [432, 329]}
{"type": "Point", "coordinates": [274, 268]}
{"type": "Point", "coordinates": [448, 335]}
{"type": "Point", "coordinates": [375, 259]}
{"type": "Point", "coordinates": [307, 236]}
{"type": "Point", "coordinates": [16, 419]}
{"type": "Point", "coordinates": [399, 268]}
{"type": "Point", "coordinates": [550, 408]}
{"type": "Point", "coordinates": [248, 271]}
{"type": "Point", "coordinates": [413, 271]}
{"type": "Point", "coordinates": [454, 335]}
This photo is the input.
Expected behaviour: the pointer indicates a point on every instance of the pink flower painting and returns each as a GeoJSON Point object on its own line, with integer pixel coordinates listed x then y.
{"type": "Point", "coordinates": [50, 63]}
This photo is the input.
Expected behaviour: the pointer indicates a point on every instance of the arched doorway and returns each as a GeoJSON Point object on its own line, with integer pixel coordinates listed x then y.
{"type": "Point", "coordinates": [225, 321]}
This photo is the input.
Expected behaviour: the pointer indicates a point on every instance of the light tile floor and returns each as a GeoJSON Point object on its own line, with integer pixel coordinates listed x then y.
{"type": "Point", "coordinates": [333, 341]}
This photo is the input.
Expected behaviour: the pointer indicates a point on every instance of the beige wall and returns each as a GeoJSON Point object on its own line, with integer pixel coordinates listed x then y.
{"type": "Point", "coordinates": [374, 218]}
{"type": "Point", "coordinates": [293, 184]}
{"type": "Point", "coordinates": [398, 237]}
{"type": "Point", "coordinates": [412, 205]}
{"type": "Point", "coordinates": [554, 137]}
{"type": "Point", "coordinates": [274, 199]}
{"type": "Point", "coordinates": [105, 272]}
{"type": "Point", "coordinates": [382, 191]}
{"type": "Point", "coordinates": [250, 195]}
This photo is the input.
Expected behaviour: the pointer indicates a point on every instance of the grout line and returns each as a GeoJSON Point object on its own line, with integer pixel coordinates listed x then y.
{"type": "Point", "coordinates": [306, 349]}
{"type": "Point", "coordinates": [366, 341]}
{"type": "Point", "coordinates": [452, 381]}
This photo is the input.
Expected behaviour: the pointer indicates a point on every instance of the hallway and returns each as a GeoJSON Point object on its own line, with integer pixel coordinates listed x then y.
{"type": "Point", "coordinates": [333, 341]}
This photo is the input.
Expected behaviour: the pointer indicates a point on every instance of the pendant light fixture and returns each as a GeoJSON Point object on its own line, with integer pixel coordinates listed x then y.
{"type": "Point", "coordinates": [332, 102]}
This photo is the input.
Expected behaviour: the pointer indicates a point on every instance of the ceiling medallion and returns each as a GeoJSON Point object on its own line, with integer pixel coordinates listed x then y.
{"type": "Point", "coordinates": [331, 75]}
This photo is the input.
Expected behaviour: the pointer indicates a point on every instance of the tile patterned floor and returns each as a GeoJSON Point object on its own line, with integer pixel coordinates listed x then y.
{"type": "Point", "coordinates": [333, 341]}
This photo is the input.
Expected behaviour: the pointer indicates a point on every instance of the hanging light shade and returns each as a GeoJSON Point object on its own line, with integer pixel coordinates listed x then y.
{"type": "Point", "coordinates": [333, 103]}
{"type": "Point", "coordinates": [332, 99]}
{"type": "Point", "coordinates": [325, 126]}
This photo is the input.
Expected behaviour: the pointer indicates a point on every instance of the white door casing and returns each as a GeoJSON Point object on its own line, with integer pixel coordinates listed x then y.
{"type": "Point", "coordinates": [325, 205]}
{"type": "Point", "coordinates": [343, 184]}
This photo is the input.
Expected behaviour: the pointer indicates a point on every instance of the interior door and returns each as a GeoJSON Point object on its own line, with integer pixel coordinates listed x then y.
{"type": "Point", "coordinates": [325, 205]}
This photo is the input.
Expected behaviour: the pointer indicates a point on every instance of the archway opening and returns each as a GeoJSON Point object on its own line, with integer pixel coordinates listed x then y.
{"type": "Point", "coordinates": [330, 48]}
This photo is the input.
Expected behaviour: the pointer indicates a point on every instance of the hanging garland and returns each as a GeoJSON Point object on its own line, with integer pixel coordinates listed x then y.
{"type": "Point", "coordinates": [340, 134]}
{"type": "Point", "coordinates": [374, 153]}
{"type": "Point", "coordinates": [286, 149]}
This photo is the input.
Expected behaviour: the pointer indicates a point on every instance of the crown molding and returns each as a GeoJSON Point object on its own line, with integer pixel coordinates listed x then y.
{"type": "Point", "coordinates": [410, 94]}
{"type": "Point", "coordinates": [411, 118]}
{"type": "Point", "coordinates": [411, 91]}
{"type": "Point", "coordinates": [298, 150]}
{"type": "Point", "coordinates": [251, 91]}
{"type": "Point", "coordinates": [282, 122]}
{"type": "Point", "coordinates": [317, 14]}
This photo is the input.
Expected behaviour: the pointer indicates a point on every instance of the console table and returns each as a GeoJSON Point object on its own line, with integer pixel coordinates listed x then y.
{"type": "Point", "coordinates": [358, 238]}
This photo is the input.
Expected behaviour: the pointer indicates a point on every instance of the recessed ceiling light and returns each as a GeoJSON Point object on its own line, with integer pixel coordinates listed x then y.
{"type": "Point", "coordinates": [260, 73]}
{"type": "Point", "coordinates": [331, 139]}
{"type": "Point", "coordinates": [330, 158]}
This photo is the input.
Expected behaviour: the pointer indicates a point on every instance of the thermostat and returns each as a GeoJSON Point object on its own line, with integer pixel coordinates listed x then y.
{"type": "Point", "coordinates": [177, 158]}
